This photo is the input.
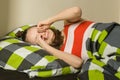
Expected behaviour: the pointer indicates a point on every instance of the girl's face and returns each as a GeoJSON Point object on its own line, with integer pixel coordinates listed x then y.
{"type": "Point", "coordinates": [32, 35]}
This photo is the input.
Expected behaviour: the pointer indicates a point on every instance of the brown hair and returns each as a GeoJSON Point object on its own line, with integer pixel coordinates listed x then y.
{"type": "Point", "coordinates": [58, 38]}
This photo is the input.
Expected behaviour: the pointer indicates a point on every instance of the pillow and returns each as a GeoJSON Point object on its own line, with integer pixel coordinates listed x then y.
{"type": "Point", "coordinates": [31, 59]}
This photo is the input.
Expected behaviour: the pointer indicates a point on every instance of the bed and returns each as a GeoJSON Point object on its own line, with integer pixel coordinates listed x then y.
{"type": "Point", "coordinates": [23, 61]}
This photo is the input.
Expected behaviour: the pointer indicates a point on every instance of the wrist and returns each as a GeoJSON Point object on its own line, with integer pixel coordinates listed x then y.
{"type": "Point", "coordinates": [54, 19]}
{"type": "Point", "coordinates": [50, 21]}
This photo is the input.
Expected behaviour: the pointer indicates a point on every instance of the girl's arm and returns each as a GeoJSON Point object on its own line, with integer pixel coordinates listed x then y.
{"type": "Point", "coordinates": [72, 60]}
{"type": "Point", "coordinates": [70, 15]}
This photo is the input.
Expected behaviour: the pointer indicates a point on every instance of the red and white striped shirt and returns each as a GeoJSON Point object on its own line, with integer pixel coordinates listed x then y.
{"type": "Point", "coordinates": [74, 38]}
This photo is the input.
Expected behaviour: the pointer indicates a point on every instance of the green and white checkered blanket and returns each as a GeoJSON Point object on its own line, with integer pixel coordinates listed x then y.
{"type": "Point", "coordinates": [31, 59]}
{"type": "Point", "coordinates": [103, 48]}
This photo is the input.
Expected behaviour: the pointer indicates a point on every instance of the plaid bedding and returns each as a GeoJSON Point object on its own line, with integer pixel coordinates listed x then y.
{"type": "Point", "coordinates": [103, 48]}
{"type": "Point", "coordinates": [31, 59]}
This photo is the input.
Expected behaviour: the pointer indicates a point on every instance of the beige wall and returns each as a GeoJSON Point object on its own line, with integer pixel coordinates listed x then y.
{"type": "Point", "coordinates": [119, 11]}
{"type": "Point", "coordinates": [101, 10]}
{"type": "Point", "coordinates": [20, 12]}
{"type": "Point", "coordinates": [3, 16]}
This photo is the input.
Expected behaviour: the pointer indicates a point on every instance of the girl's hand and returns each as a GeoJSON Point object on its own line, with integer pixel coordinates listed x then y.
{"type": "Point", "coordinates": [43, 25]}
{"type": "Point", "coordinates": [41, 41]}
